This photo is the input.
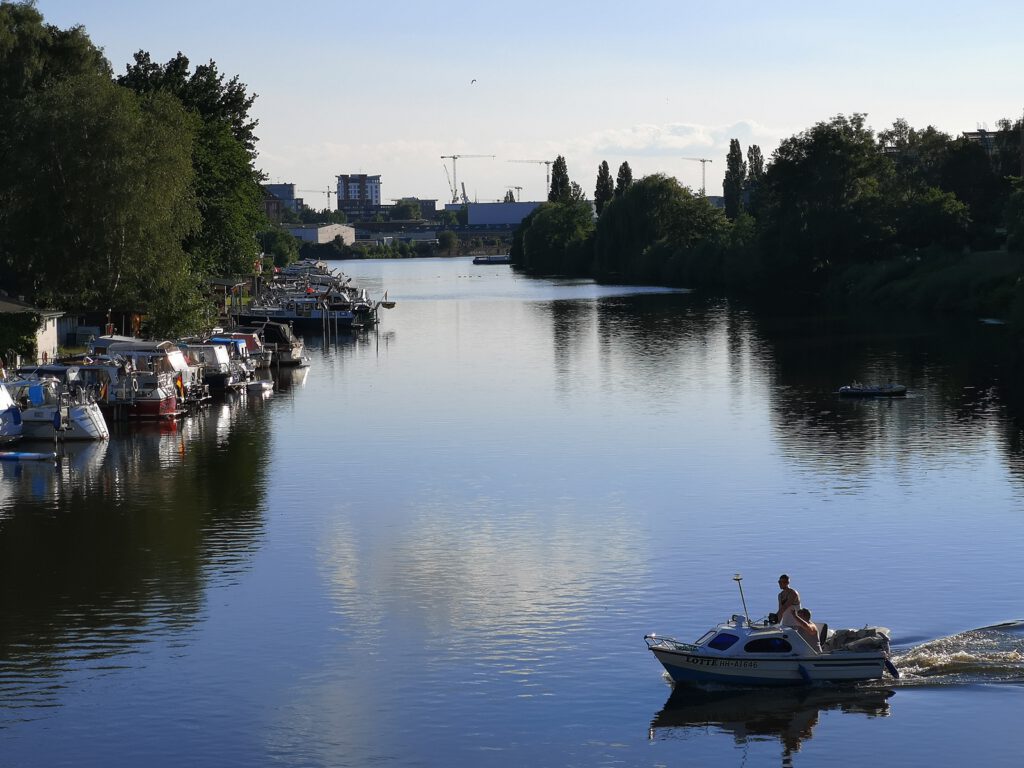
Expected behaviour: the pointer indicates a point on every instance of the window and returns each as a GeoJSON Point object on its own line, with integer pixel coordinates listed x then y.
{"type": "Point", "coordinates": [768, 645]}
{"type": "Point", "coordinates": [723, 641]}
{"type": "Point", "coordinates": [705, 637]}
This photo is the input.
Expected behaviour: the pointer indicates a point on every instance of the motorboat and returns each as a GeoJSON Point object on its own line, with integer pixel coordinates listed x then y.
{"type": "Point", "coordinates": [163, 383]}
{"type": "Point", "coordinates": [288, 349]}
{"type": "Point", "coordinates": [51, 409]}
{"type": "Point", "coordinates": [214, 364]}
{"type": "Point", "coordinates": [857, 389]}
{"type": "Point", "coordinates": [494, 259]}
{"type": "Point", "coordinates": [10, 418]}
{"type": "Point", "coordinates": [743, 652]}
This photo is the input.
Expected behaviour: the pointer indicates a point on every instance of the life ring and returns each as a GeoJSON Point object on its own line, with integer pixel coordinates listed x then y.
{"type": "Point", "coordinates": [135, 384]}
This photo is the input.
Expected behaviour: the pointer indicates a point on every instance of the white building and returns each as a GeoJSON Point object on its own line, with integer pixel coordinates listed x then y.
{"type": "Point", "coordinates": [358, 188]}
{"type": "Point", "coordinates": [323, 233]}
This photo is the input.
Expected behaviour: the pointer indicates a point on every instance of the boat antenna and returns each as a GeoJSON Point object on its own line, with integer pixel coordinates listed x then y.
{"type": "Point", "coordinates": [738, 578]}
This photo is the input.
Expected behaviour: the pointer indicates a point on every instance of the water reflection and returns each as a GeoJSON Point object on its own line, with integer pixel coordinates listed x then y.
{"type": "Point", "coordinates": [112, 545]}
{"type": "Point", "coordinates": [961, 375]}
{"type": "Point", "coordinates": [789, 715]}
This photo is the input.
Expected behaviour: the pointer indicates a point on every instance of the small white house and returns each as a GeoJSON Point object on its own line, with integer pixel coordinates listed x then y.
{"type": "Point", "coordinates": [46, 331]}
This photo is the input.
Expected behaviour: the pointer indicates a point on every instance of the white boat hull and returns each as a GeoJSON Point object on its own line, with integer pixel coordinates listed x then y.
{"type": "Point", "coordinates": [85, 422]}
{"type": "Point", "coordinates": [837, 667]}
{"type": "Point", "coordinates": [739, 652]}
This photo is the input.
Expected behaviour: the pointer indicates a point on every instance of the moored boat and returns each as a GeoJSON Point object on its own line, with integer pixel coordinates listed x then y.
{"type": "Point", "coordinates": [857, 389]}
{"type": "Point", "coordinates": [51, 409]}
{"type": "Point", "coordinates": [494, 259]}
{"type": "Point", "coordinates": [10, 418]}
{"type": "Point", "coordinates": [288, 349]}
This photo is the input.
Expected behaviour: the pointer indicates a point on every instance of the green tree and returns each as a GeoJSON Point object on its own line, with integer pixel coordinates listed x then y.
{"type": "Point", "coordinates": [559, 192]}
{"type": "Point", "coordinates": [623, 180]}
{"type": "Point", "coordinates": [281, 246]}
{"type": "Point", "coordinates": [35, 55]}
{"type": "Point", "coordinates": [656, 210]}
{"type": "Point", "coordinates": [555, 239]}
{"type": "Point", "coordinates": [509, 197]}
{"type": "Point", "coordinates": [967, 172]}
{"type": "Point", "coordinates": [227, 183]}
{"type": "Point", "coordinates": [1015, 217]}
{"type": "Point", "coordinates": [447, 241]}
{"type": "Point", "coordinates": [85, 227]}
{"type": "Point", "coordinates": [755, 165]}
{"type": "Point", "coordinates": [203, 91]}
{"type": "Point", "coordinates": [406, 210]}
{"type": "Point", "coordinates": [735, 176]}
{"type": "Point", "coordinates": [605, 188]}
{"type": "Point", "coordinates": [823, 200]}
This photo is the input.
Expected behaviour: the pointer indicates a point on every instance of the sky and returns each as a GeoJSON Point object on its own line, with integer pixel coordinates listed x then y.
{"type": "Point", "coordinates": [389, 88]}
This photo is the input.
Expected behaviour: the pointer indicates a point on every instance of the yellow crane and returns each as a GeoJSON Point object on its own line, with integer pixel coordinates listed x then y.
{"type": "Point", "coordinates": [454, 180]}
{"type": "Point", "coordinates": [328, 192]}
{"type": "Point", "coordinates": [547, 171]}
{"type": "Point", "coordinates": [703, 164]}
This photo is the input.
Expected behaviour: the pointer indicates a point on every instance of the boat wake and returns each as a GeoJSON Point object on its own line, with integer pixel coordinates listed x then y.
{"type": "Point", "coordinates": [992, 654]}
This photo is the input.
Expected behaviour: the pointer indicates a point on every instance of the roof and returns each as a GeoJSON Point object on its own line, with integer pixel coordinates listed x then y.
{"type": "Point", "coordinates": [11, 306]}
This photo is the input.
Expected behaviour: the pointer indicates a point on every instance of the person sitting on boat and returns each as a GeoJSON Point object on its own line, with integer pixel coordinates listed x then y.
{"type": "Point", "coordinates": [808, 629]}
{"type": "Point", "coordinates": [789, 603]}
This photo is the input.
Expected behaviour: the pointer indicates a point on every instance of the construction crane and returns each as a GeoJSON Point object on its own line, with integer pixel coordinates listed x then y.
{"type": "Point", "coordinates": [454, 180]}
{"type": "Point", "coordinates": [703, 164]}
{"type": "Point", "coordinates": [328, 192]}
{"type": "Point", "coordinates": [547, 171]}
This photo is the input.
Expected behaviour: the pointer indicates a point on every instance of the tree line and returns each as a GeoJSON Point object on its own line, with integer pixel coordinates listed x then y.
{"type": "Point", "coordinates": [838, 212]}
{"type": "Point", "coordinates": [121, 192]}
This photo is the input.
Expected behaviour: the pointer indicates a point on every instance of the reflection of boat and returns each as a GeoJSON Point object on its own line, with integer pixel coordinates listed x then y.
{"type": "Point", "coordinates": [496, 259]}
{"type": "Point", "coordinates": [292, 378]}
{"type": "Point", "coordinates": [746, 653]}
{"type": "Point", "coordinates": [27, 456]}
{"type": "Point", "coordinates": [872, 390]}
{"type": "Point", "coordinates": [789, 715]}
{"type": "Point", "coordinates": [260, 385]}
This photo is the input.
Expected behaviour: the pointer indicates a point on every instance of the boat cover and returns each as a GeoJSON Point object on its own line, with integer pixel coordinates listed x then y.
{"type": "Point", "coordinates": [866, 639]}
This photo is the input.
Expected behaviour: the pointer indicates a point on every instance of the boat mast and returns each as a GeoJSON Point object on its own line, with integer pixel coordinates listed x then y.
{"type": "Point", "coordinates": [738, 578]}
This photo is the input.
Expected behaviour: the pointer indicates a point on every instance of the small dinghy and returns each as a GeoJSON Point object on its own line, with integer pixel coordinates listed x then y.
{"type": "Point", "coordinates": [742, 652]}
{"type": "Point", "coordinates": [872, 390]}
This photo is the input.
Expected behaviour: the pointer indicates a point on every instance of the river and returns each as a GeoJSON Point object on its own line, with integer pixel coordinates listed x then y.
{"type": "Point", "coordinates": [443, 542]}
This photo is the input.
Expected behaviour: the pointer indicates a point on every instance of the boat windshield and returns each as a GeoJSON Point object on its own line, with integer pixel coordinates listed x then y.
{"type": "Point", "coordinates": [768, 645]}
{"type": "Point", "coordinates": [723, 641]}
{"type": "Point", "coordinates": [705, 637]}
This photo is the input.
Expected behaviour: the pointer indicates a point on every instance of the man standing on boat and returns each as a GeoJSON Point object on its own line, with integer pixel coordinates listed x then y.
{"type": "Point", "coordinates": [789, 603]}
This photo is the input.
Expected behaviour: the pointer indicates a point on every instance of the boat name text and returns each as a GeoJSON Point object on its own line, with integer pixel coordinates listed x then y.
{"type": "Point", "coordinates": [701, 662]}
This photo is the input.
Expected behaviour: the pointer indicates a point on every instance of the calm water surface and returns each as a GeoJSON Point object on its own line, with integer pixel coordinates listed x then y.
{"type": "Point", "coordinates": [442, 543]}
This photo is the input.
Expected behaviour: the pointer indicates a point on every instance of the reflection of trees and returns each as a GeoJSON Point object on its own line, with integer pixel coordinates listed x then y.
{"type": "Point", "coordinates": [93, 553]}
{"type": "Point", "coordinates": [956, 375]}
{"type": "Point", "coordinates": [961, 375]}
{"type": "Point", "coordinates": [789, 715]}
{"type": "Point", "coordinates": [643, 341]}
